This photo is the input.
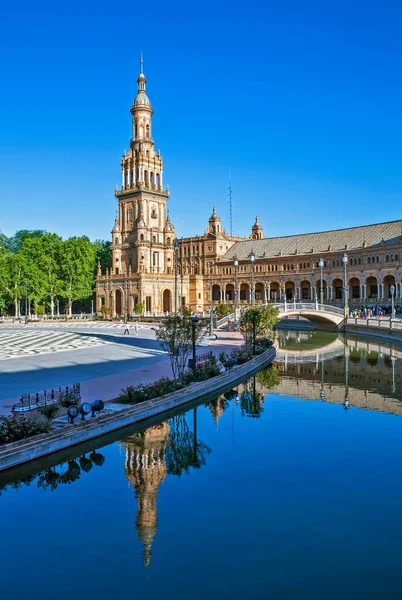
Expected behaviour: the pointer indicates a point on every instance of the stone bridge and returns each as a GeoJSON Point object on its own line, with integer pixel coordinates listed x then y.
{"type": "Point", "coordinates": [312, 311]}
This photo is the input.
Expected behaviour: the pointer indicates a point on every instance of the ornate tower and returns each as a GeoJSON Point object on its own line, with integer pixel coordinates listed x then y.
{"type": "Point", "coordinates": [143, 236]}
{"type": "Point", "coordinates": [142, 200]}
{"type": "Point", "coordinates": [257, 232]}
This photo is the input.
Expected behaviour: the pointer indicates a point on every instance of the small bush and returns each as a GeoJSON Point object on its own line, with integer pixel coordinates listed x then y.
{"type": "Point", "coordinates": [140, 393]}
{"type": "Point", "coordinates": [20, 427]}
{"type": "Point", "coordinates": [67, 399]}
{"type": "Point", "coordinates": [49, 411]}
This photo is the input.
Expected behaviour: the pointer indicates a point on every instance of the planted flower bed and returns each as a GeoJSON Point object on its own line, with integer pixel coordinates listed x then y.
{"type": "Point", "coordinates": [207, 368]}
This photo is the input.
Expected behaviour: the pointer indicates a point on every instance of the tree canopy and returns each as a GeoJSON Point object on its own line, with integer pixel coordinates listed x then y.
{"type": "Point", "coordinates": [40, 267]}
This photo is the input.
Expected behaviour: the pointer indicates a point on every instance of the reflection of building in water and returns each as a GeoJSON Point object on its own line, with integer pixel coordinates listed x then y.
{"type": "Point", "coordinates": [146, 468]}
{"type": "Point", "coordinates": [217, 408]}
{"type": "Point", "coordinates": [368, 379]}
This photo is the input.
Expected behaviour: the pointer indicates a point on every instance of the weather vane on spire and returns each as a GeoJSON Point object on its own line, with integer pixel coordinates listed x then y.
{"type": "Point", "coordinates": [141, 63]}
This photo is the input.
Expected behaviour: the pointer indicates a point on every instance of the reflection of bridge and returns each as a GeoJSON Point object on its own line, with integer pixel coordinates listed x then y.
{"type": "Point", "coordinates": [335, 348]}
{"type": "Point", "coordinates": [313, 311]}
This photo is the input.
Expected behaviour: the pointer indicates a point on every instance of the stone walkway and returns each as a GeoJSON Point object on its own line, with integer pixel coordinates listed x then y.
{"type": "Point", "coordinates": [109, 387]}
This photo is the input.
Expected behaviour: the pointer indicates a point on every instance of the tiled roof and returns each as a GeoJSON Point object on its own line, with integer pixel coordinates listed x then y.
{"type": "Point", "coordinates": [368, 236]}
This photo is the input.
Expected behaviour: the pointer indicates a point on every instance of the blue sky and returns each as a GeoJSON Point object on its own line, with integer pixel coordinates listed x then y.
{"type": "Point", "coordinates": [301, 101]}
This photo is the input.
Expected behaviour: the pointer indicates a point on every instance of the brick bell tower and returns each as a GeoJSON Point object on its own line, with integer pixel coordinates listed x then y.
{"type": "Point", "coordinates": [143, 235]}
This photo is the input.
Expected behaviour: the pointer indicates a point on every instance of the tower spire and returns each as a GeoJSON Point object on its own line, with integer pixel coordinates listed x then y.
{"type": "Point", "coordinates": [141, 63]}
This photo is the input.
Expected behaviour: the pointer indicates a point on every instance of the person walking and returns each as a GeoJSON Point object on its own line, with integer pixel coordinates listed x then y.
{"type": "Point", "coordinates": [136, 328]}
{"type": "Point", "coordinates": [126, 329]}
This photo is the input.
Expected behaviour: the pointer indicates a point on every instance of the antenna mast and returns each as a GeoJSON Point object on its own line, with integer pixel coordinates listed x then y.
{"type": "Point", "coordinates": [230, 200]}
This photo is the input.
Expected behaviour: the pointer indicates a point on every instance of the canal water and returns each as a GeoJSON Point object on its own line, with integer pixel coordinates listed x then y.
{"type": "Point", "coordinates": [289, 486]}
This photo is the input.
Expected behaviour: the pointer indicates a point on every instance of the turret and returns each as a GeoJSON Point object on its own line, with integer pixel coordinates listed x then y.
{"type": "Point", "coordinates": [257, 232]}
{"type": "Point", "coordinates": [214, 223]}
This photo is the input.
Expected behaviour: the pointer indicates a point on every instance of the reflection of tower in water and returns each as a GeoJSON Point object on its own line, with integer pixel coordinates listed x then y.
{"type": "Point", "coordinates": [145, 469]}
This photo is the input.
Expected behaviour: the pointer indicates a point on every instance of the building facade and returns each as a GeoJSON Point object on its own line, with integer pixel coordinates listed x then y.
{"type": "Point", "coordinates": [151, 267]}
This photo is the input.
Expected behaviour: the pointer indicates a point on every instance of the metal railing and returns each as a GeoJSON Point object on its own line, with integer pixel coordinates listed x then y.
{"type": "Point", "coordinates": [313, 306]}
{"type": "Point", "coordinates": [381, 322]}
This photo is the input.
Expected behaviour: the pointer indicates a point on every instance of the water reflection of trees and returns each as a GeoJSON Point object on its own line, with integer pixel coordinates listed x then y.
{"type": "Point", "coordinates": [184, 450]}
{"type": "Point", "coordinates": [61, 474]}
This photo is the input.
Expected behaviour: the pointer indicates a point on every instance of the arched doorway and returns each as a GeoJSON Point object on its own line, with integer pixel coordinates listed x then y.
{"type": "Point", "coordinates": [244, 292]}
{"type": "Point", "coordinates": [338, 289]}
{"type": "Point", "coordinates": [388, 281]}
{"type": "Point", "coordinates": [229, 292]}
{"type": "Point", "coordinates": [119, 303]}
{"type": "Point", "coordinates": [354, 288]}
{"type": "Point", "coordinates": [216, 293]}
{"type": "Point", "coordinates": [305, 289]}
{"type": "Point", "coordinates": [167, 301]}
{"type": "Point", "coordinates": [289, 290]}
{"type": "Point", "coordinates": [259, 292]}
{"type": "Point", "coordinates": [372, 288]}
{"type": "Point", "coordinates": [274, 291]}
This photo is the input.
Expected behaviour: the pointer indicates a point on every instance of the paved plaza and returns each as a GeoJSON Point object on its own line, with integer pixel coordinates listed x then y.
{"type": "Point", "coordinates": [47, 355]}
{"type": "Point", "coordinates": [100, 356]}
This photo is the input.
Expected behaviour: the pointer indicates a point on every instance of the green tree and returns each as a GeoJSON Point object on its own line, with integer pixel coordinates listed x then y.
{"type": "Point", "coordinates": [262, 318]}
{"type": "Point", "coordinates": [43, 258]}
{"type": "Point", "coordinates": [175, 336]}
{"type": "Point", "coordinates": [4, 275]}
{"type": "Point", "coordinates": [139, 308]}
{"type": "Point", "coordinates": [77, 269]}
{"type": "Point", "coordinates": [102, 254]}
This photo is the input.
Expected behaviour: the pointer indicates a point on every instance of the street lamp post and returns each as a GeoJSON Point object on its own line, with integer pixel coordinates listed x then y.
{"type": "Point", "coordinates": [252, 260]}
{"type": "Point", "coordinates": [282, 296]}
{"type": "Point", "coordinates": [211, 301]}
{"type": "Point", "coordinates": [392, 290]}
{"type": "Point", "coordinates": [181, 289]}
{"type": "Point", "coordinates": [265, 291]}
{"type": "Point", "coordinates": [194, 321]}
{"type": "Point", "coordinates": [176, 260]}
{"type": "Point", "coordinates": [345, 285]}
{"type": "Point", "coordinates": [253, 315]}
{"type": "Point", "coordinates": [26, 301]}
{"type": "Point", "coordinates": [321, 264]}
{"type": "Point", "coordinates": [236, 267]}
{"type": "Point", "coordinates": [58, 307]}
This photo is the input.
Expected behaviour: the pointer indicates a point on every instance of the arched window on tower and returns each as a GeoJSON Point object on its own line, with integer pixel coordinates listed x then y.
{"type": "Point", "coordinates": [151, 179]}
{"type": "Point", "coordinates": [158, 180]}
{"type": "Point", "coordinates": [147, 131]}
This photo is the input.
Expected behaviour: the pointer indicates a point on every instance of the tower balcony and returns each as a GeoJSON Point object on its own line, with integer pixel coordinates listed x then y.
{"type": "Point", "coordinates": [135, 187]}
{"type": "Point", "coordinates": [135, 140]}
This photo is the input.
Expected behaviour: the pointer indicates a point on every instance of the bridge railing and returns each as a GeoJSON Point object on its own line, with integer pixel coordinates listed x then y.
{"type": "Point", "coordinates": [285, 307]}
{"type": "Point", "coordinates": [225, 319]}
{"type": "Point", "coordinates": [310, 358]}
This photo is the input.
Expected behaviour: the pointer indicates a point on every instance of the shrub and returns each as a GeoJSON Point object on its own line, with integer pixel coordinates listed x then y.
{"type": "Point", "coordinates": [139, 393]}
{"type": "Point", "coordinates": [20, 427]}
{"type": "Point", "coordinates": [222, 310]}
{"type": "Point", "coordinates": [223, 357]}
{"type": "Point", "coordinates": [242, 355]}
{"type": "Point", "coordinates": [49, 411]}
{"type": "Point", "coordinates": [67, 399]}
{"type": "Point", "coordinates": [139, 308]}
